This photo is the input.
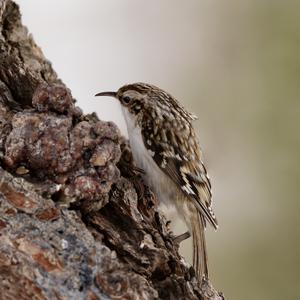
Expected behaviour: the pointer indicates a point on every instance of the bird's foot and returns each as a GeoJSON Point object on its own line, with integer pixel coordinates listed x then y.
{"type": "Point", "coordinates": [182, 237]}
{"type": "Point", "coordinates": [179, 238]}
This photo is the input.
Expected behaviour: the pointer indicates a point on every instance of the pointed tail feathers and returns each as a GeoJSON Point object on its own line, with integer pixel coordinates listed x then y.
{"type": "Point", "coordinates": [199, 245]}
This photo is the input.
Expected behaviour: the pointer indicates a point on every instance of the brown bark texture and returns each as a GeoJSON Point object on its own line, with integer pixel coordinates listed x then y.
{"type": "Point", "coordinates": [76, 220]}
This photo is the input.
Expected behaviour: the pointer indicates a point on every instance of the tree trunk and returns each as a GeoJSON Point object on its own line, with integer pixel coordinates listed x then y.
{"type": "Point", "coordinates": [76, 220]}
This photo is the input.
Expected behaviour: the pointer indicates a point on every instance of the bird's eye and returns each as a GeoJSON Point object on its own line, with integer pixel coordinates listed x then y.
{"type": "Point", "coordinates": [126, 99]}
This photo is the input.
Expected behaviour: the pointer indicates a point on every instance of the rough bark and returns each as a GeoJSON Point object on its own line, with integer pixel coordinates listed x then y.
{"type": "Point", "coordinates": [76, 220]}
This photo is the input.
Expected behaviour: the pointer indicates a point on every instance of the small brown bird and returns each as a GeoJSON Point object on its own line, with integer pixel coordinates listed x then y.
{"type": "Point", "coordinates": [164, 144]}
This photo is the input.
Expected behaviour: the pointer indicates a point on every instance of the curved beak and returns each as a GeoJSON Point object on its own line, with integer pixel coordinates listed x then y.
{"type": "Point", "coordinates": [109, 94]}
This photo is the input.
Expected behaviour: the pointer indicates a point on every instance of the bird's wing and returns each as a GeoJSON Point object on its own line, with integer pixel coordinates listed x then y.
{"type": "Point", "coordinates": [194, 182]}
{"type": "Point", "coordinates": [182, 163]}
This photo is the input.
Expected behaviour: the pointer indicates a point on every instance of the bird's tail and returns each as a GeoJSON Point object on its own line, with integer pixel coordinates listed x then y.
{"type": "Point", "coordinates": [197, 223]}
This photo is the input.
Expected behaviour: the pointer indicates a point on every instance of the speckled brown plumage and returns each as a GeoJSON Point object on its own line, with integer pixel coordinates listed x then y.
{"type": "Point", "coordinates": [165, 145]}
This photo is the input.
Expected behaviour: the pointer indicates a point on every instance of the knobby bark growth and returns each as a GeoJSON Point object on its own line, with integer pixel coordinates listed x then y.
{"type": "Point", "coordinates": [76, 220]}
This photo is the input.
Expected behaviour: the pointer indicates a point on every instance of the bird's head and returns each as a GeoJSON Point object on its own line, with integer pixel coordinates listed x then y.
{"type": "Point", "coordinates": [133, 97]}
{"type": "Point", "coordinates": [150, 101]}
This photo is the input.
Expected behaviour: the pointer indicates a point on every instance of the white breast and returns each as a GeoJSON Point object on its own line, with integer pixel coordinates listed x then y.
{"type": "Point", "coordinates": [155, 178]}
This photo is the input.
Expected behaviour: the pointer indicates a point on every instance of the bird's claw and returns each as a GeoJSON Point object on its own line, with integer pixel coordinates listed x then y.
{"type": "Point", "coordinates": [180, 238]}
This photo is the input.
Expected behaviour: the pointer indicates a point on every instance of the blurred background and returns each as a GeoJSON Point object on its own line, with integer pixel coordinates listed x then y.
{"type": "Point", "coordinates": [236, 65]}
